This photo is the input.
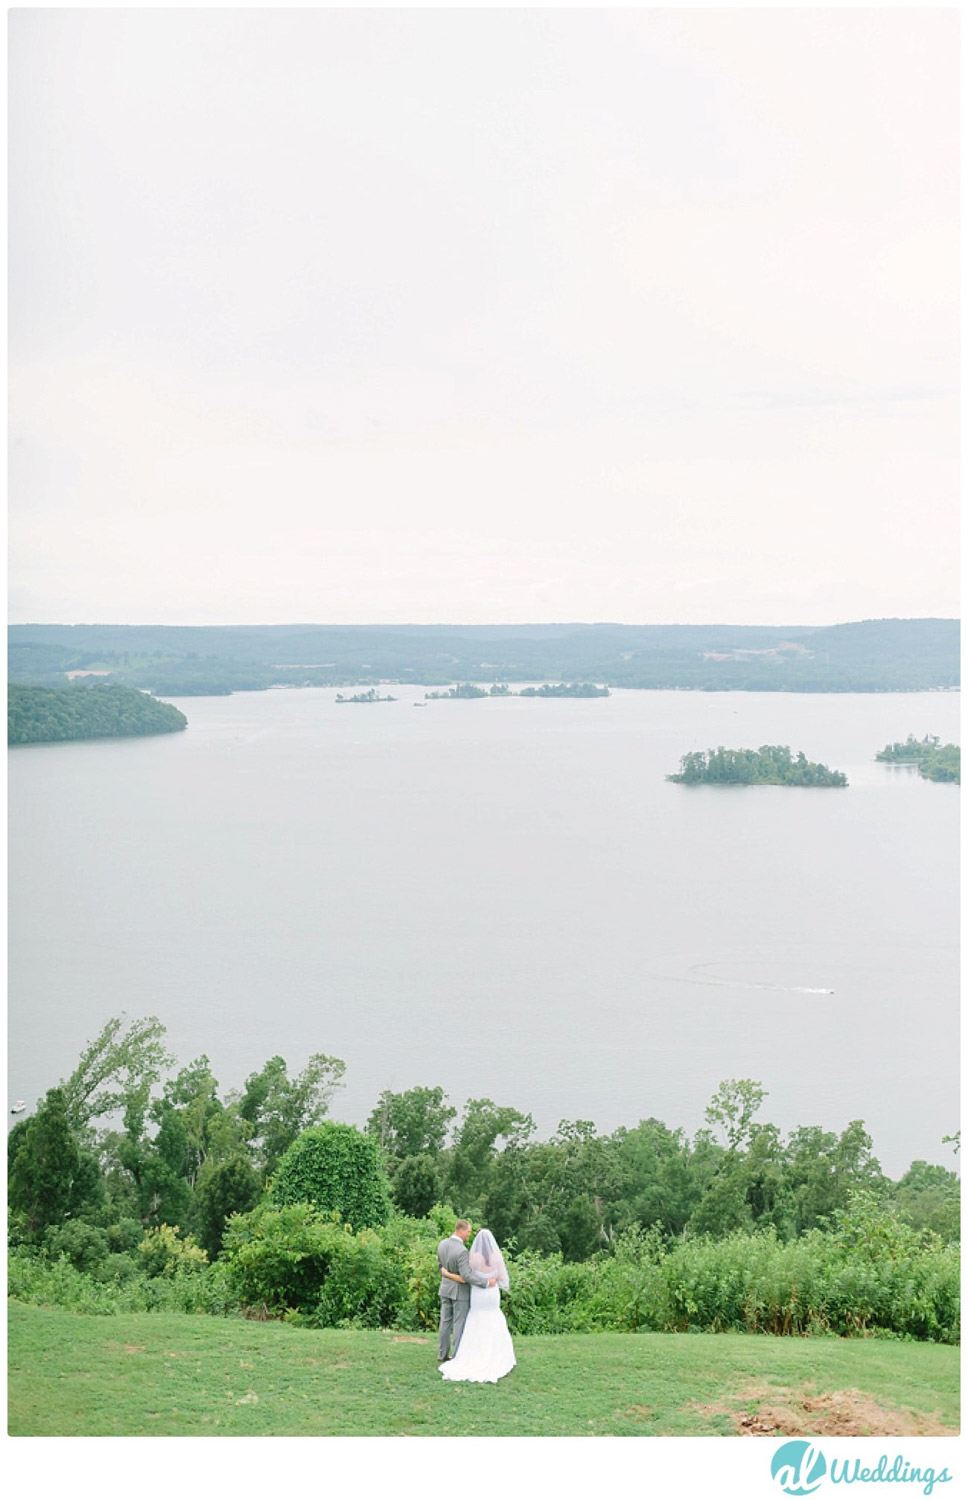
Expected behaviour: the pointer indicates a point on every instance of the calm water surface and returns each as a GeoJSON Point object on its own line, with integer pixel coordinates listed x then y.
{"type": "Point", "coordinates": [505, 898]}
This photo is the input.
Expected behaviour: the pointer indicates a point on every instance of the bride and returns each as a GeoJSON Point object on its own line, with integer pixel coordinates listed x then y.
{"type": "Point", "coordinates": [485, 1351]}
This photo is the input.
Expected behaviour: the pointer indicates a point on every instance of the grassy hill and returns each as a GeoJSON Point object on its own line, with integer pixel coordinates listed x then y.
{"type": "Point", "coordinates": [174, 1375]}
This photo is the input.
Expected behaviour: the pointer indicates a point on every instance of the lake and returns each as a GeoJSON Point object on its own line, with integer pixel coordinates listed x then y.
{"type": "Point", "coordinates": [506, 898]}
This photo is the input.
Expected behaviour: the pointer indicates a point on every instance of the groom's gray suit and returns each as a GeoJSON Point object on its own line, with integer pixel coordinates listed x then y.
{"type": "Point", "coordinates": [455, 1298]}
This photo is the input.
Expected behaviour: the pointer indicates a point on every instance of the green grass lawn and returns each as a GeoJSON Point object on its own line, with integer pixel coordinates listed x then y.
{"type": "Point", "coordinates": [153, 1374]}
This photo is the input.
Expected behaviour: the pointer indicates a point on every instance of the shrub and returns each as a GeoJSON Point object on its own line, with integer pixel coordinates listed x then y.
{"type": "Point", "coordinates": [125, 1235]}
{"type": "Point", "coordinates": [549, 1295]}
{"type": "Point", "coordinates": [295, 1259]}
{"type": "Point", "coordinates": [277, 1258]}
{"type": "Point", "coordinates": [163, 1252]}
{"type": "Point", "coordinates": [117, 1267]}
{"type": "Point", "coordinates": [31, 1277]}
{"type": "Point", "coordinates": [84, 1245]}
{"type": "Point", "coordinates": [337, 1169]}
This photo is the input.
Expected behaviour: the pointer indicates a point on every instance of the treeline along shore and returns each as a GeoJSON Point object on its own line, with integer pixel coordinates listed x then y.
{"type": "Point", "coordinates": [139, 1186]}
{"type": "Point", "coordinates": [180, 660]}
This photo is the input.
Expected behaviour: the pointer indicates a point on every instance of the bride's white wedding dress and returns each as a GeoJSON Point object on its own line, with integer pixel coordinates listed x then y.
{"type": "Point", "coordinates": [485, 1351]}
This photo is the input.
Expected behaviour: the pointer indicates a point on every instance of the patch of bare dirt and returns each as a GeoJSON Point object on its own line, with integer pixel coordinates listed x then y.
{"type": "Point", "coordinates": [782, 1412]}
{"type": "Point", "coordinates": [402, 1338]}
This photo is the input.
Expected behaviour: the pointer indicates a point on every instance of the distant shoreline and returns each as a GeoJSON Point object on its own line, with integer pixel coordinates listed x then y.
{"type": "Point", "coordinates": [867, 656]}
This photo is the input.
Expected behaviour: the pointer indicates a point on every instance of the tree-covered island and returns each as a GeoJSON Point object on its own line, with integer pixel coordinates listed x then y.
{"type": "Point", "coordinates": [371, 696]}
{"type": "Point", "coordinates": [546, 690]}
{"type": "Point", "coordinates": [936, 762]}
{"type": "Point", "coordinates": [38, 715]}
{"type": "Point", "coordinates": [770, 765]}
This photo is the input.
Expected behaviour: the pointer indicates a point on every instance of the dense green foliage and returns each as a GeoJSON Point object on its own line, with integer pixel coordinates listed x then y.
{"type": "Point", "coordinates": [51, 1177]}
{"type": "Point", "coordinates": [132, 1190]}
{"type": "Point", "coordinates": [84, 712]}
{"type": "Point", "coordinates": [934, 761]}
{"type": "Point", "coordinates": [337, 1169]}
{"type": "Point", "coordinates": [865, 656]}
{"type": "Point", "coordinates": [869, 1273]}
{"type": "Point", "coordinates": [118, 1284]}
{"type": "Point", "coordinates": [770, 765]}
{"type": "Point", "coordinates": [275, 1109]}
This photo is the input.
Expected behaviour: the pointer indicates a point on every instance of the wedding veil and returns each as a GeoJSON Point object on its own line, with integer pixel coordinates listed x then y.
{"type": "Point", "coordinates": [487, 1258]}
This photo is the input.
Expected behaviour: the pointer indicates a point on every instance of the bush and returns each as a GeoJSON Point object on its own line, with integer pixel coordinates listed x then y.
{"type": "Point", "coordinates": [31, 1277]}
{"type": "Point", "coordinates": [117, 1267]}
{"type": "Point", "coordinates": [411, 1244]}
{"type": "Point", "coordinates": [277, 1258]}
{"type": "Point", "coordinates": [308, 1265]}
{"type": "Point", "coordinates": [162, 1252]}
{"type": "Point", "coordinates": [869, 1273]}
{"type": "Point", "coordinates": [84, 1245]}
{"type": "Point", "coordinates": [339, 1170]}
{"type": "Point", "coordinates": [295, 1259]}
{"type": "Point", "coordinates": [549, 1295]}
{"type": "Point", "coordinates": [125, 1235]}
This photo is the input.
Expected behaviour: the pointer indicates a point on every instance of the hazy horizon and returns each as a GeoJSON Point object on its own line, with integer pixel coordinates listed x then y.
{"type": "Point", "coordinates": [474, 315]}
{"type": "Point", "coordinates": [784, 624]}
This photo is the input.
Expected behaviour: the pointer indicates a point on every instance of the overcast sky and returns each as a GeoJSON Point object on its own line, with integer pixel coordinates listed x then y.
{"type": "Point", "coordinates": [451, 315]}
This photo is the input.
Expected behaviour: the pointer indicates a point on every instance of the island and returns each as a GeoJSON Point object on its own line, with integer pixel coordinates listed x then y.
{"type": "Point", "coordinates": [934, 761]}
{"type": "Point", "coordinates": [371, 696]}
{"type": "Point", "coordinates": [40, 715]}
{"type": "Point", "coordinates": [546, 690]}
{"type": "Point", "coordinates": [770, 765]}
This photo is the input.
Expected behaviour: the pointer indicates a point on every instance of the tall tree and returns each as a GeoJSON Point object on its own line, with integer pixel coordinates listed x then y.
{"type": "Point", "coordinates": [117, 1071]}
{"type": "Point", "coordinates": [51, 1178]}
{"type": "Point", "coordinates": [278, 1108]}
{"type": "Point", "coordinates": [732, 1109]}
{"type": "Point", "coordinates": [414, 1123]}
{"type": "Point", "coordinates": [472, 1156]}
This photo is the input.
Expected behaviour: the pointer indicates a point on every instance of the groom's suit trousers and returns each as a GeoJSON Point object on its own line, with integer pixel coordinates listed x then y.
{"type": "Point", "coordinates": [453, 1316]}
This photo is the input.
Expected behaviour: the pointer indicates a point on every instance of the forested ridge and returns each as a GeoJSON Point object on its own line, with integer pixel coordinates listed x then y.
{"type": "Point", "coordinates": [132, 1176]}
{"type": "Point", "coordinates": [37, 715]}
{"type": "Point", "coordinates": [862, 656]}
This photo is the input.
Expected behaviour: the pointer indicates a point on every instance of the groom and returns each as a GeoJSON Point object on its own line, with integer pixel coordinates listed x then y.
{"type": "Point", "coordinates": [455, 1296]}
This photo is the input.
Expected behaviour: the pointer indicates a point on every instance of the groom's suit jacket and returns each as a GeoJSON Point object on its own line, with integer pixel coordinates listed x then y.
{"type": "Point", "coordinates": [452, 1256]}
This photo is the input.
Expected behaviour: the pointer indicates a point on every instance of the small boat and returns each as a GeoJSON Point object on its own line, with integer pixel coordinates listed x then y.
{"type": "Point", "coordinates": [18, 1108]}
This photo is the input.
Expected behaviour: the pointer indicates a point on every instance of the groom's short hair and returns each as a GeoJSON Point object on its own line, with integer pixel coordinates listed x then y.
{"type": "Point", "coordinates": [461, 1224]}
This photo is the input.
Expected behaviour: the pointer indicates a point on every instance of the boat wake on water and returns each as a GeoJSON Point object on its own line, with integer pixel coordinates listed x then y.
{"type": "Point", "coordinates": [691, 977]}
